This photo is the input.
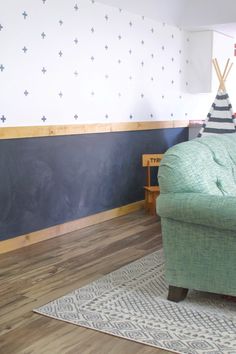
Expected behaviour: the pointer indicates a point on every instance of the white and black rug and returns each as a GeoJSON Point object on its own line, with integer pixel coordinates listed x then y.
{"type": "Point", "coordinates": [131, 303]}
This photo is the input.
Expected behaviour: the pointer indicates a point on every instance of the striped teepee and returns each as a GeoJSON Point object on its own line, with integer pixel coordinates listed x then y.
{"type": "Point", "coordinates": [220, 119]}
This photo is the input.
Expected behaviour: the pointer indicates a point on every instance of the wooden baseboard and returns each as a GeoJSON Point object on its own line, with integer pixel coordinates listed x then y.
{"type": "Point", "coordinates": [58, 230]}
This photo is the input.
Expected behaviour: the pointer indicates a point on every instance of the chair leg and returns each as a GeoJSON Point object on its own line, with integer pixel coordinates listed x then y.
{"type": "Point", "coordinates": [176, 294]}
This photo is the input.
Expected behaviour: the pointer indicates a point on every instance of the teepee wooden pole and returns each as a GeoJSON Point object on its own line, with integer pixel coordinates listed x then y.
{"type": "Point", "coordinates": [217, 69]}
{"type": "Point", "coordinates": [222, 84]}
{"type": "Point", "coordinates": [227, 74]}
{"type": "Point", "coordinates": [225, 70]}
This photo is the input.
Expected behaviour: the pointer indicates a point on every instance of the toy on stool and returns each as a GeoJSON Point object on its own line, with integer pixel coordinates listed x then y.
{"type": "Point", "coordinates": [151, 192]}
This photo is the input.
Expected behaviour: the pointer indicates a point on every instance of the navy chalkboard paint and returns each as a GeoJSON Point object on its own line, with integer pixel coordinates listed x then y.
{"type": "Point", "coordinates": [52, 180]}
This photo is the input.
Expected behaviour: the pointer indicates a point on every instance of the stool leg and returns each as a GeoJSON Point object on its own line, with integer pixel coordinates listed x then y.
{"type": "Point", "coordinates": [154, 196]}
{"type": "Point", "coordinates": [146, 201]}
{"type": "Point", "coordinates": [153, 207]}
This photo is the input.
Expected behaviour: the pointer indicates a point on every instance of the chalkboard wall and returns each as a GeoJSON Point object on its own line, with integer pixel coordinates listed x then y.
{"type": "Point", "coordinates": [52, 180]}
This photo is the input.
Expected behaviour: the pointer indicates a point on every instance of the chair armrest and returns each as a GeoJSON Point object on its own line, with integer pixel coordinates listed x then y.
{"type": "Point", "coordinates": [209, 210]}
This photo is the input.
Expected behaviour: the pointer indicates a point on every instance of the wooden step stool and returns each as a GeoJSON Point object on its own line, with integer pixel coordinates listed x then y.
{"type": "Point", "coordinates": [151, 192]}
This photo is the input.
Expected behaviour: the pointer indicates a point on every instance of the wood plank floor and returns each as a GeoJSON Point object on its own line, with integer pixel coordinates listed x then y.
{"type": "Point", "coordinates": [37, 274]}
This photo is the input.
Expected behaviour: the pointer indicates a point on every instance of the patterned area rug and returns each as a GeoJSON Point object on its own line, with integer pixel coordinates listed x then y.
{"type": "Point", "coordinates": [131, 303]}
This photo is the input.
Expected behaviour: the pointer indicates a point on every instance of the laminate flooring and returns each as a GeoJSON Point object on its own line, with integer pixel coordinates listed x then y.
{"type": "Point", "coordinates": [37, 274]}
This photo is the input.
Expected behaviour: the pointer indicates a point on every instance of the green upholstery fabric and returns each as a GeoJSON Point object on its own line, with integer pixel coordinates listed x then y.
{"type": "Point", "coordinates": [201, 209]}
{"type": "Point", "coordinates": [199, 257]}
{"type": "Point", "coordinates": [197, 206]}
{"type": "Point", "coordinates": [205, 165]}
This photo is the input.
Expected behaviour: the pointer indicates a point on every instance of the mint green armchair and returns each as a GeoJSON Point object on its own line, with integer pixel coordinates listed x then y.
{"type": "Point", "coordinates": [197, 206]}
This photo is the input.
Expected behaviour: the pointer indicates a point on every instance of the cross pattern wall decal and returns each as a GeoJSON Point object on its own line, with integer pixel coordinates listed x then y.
{"type": "Point", "coordinates": [115, 66]}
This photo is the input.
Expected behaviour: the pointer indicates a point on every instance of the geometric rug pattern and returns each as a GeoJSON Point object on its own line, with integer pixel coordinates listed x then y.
{"type": "Point", "coordinates": [131, 303]}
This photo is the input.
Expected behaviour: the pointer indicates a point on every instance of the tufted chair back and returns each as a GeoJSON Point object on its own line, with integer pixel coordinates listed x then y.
{"type": "Point", "coordinates": [204, 165]}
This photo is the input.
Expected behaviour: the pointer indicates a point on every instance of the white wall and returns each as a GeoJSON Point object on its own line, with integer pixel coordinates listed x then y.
{"type": "Point", "coordinates": [148, 83]}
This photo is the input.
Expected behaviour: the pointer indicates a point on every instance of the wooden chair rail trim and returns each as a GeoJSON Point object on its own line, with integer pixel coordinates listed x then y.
{"type": "Point", "coordinates": [195, 123]}
{"type": "Point", "coordinates": [58, 230]}
{"type": "Point", "coordinates": [57, 130]}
